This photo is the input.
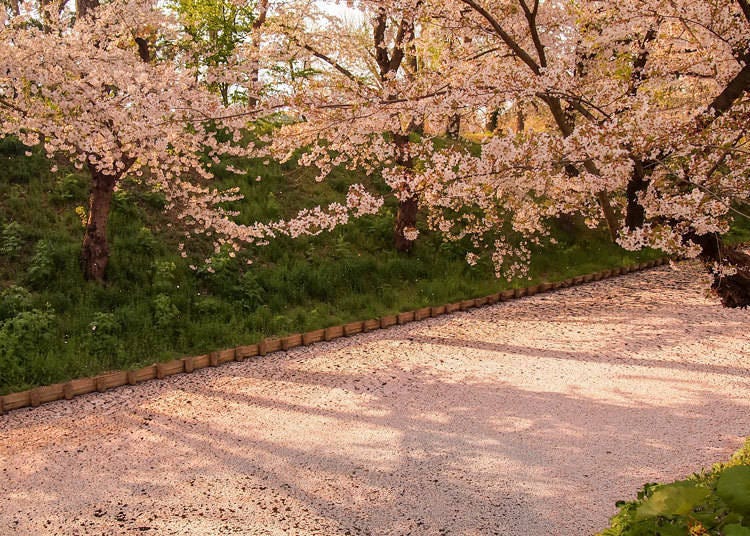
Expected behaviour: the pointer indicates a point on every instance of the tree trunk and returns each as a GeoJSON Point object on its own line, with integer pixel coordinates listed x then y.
{"type": "Point", "coordinates": [613, 225]}
{"type": "Point", "coordinates": [566, 125]}
{"type": "Point", "coordinates": [95, 251]}
{"type": "Point", "coordinates": [520, 120]}
{"type": "Point", "coordinates": [84, 7]}
{"type": "Point", "coordinates": [454, 126]}
{"type": "Point", "coordinates": [407, 208]}
{"type": "Point", "coordinates": [492, 120]}
{"type": "Point", "coordinates": [733, 290]}
{"type": "Point", "coordinates": [405, 218]}
{"type": "Point", "coordinates": [635, 214]}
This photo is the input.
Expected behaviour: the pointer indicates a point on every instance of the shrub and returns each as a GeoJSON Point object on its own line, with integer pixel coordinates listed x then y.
{"type": "Point", "coordinates": [251, 292]}
{"type": "Point", "coordinates": [104, 335]}
{"type": "Point", "coordinates": [22, 337]}
{"type": "Point", "coordinates": [165, 312]}
{"type": "Point", "coordinates": [69, 188]}
{"type": "Point", "coordinates": [164, 276]}
{"type": "Point", "coordinates": [11, 240]}
{"type": "Point", "coordinates": [42, 265]}
{"type": "Point", "coordinates": [716, 503]}
{"type": "Point", "coordinates": [14, 300]}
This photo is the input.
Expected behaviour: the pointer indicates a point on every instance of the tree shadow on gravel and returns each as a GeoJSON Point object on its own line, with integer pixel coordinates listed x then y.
{"type": "Point", "coordinates": [272, 448]}
{"type": "Point", "coordinates": [477, 458]}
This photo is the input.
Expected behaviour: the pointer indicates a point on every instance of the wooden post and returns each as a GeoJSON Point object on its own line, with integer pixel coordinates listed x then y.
{"type": "Point", "coordinates": [213, 359]}
{"type": "Point", "coordinates": [68, 391]}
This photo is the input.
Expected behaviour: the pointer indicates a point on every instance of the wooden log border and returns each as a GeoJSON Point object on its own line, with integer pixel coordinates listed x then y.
{"type": "Point", "coordinates": [112, 380]}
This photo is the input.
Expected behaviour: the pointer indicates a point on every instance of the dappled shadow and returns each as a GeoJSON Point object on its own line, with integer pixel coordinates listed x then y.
{"type": "Point", "coordinates": [428, 455]}
{"type": "Point", "coordinates": [422, 429]}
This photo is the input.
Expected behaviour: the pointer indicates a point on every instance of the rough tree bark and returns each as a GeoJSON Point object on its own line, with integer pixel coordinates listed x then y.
{"type": "Point", "coordinates": [84, 7]}
{"type": "Point", "coordinates": [255, 44]}
{"type": "Point", "coordinates": [95, 250]}
{"type": "Point", "coordinates": [733, 290]}
{"type": "Point", "coordinates": [390, 61]}
{"type": "Point", "coordinates": [406, 217]}
{"type": "Point", "coordinates": [454, 126]}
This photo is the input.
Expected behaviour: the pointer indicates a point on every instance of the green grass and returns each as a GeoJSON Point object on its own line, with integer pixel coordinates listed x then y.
{"type": "Point", "coordinates": [55, 326]}
{"type": "Point", "coordinates": [716, 502]}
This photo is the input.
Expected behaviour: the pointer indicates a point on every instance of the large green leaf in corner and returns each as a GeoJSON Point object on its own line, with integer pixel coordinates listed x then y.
{"type": "Point", "coordinates": [735, 530]}
{"type": "Point", "coordinates": [733, 487]}
{"type": "Point", "coordinates": [676, 499]}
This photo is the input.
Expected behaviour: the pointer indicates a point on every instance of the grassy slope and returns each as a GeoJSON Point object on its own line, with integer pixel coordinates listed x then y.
{"type": "Point", "coordinates": [154, 307]}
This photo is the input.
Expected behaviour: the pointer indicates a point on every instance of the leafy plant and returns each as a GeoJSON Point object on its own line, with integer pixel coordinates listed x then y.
{"type": "Point", "coordinates": [26, 334]}
{"type": "Point", "coordinates": [11, 240]}
{"type": "Point", "coordinates": [716, 503]}
{"type": "Point", "coordinates": [165, 311]}
{"type": "Point", "coordinates": [42, 265]}
{"type": "Point", "coordinates": [164, 276]}
{"type": "Point", "coordinates": [251, 292]}
{"type": "Point", "coordinates": [14, 300]}
{"type": "Point", "coordinates": [104, 335]}
{"type": "Point", "coordinates": [70, 187]}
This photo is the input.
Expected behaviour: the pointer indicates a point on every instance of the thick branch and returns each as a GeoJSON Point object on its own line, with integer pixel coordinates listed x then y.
{"type": "Point", "coordinates": [330, 61]}
{"type": "Point", "coordinates": [531, 18]}
{"type": "Point", "coordinates": [639, 64]}
{"type": "Point", "coordinates": [262, 14]}
{"type": "Point", "coordinates": [745, 6]}
{"type": "Point", "coordinates": [723, 102]}
{"type": "Point", "coordinates": [507, 39]}
{"type": "Point", "coordinates": [378, 35]}
{"type": "Point", "coordinates": [405, 34]}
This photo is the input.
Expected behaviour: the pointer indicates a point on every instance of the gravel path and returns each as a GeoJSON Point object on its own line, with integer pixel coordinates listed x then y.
{"type": "Point", "coordinates": [525, 418]}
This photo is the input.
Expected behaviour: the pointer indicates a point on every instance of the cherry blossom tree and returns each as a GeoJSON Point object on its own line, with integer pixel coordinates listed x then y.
{"type": "Point", "coordinates": [640, 115]}
{"type": "Point", "coordinates": [361, 107]}
{"type": "Point", "coordinates": [216, 30]}
{"type": "Point", "coordinates": [97, 91]}
{"type": "Point", "coordinates": [650, 104]}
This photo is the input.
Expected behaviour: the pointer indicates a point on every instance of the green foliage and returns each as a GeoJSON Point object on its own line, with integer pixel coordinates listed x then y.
{"type": "Point", "coordinates": [165, 312]}
{"type": "Point", "coordinates": [733, 487]}
{"type": "Point", "coordinates": [251, 293]}
{"type": "Point", "coordinates": [68, 188]}
{"type": "Point", "coordinates": [104, 336]}
{"type": "Point", "coordinates": [14, 300]}
{"type": "Point", "coordinates": [216, 27]}
{"type": "Point", "coordinates": [11, 240]}
{"type": "Point", "coordinates": [42, 266]}
{"type": "Point", "coordinates": [154, 307]}
{"type": "Point", "coordinates": [164, 276]}
{"type": "Point", "coordinates": [714, 503]}
{"type": "Point", "coordinates": [23, 337]}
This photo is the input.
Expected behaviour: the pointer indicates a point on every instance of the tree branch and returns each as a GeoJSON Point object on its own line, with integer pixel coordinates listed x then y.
{"type": "Point", "coordinates": [723, 102]}
{"type": "Point", "coordinates": [531, 18]}
{"type": "Point", "coordinates": [507, 39]}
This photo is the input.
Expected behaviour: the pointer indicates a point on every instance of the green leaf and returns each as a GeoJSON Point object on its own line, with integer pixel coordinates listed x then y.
{"type": "Point", "coordinates": [735, 530]}
{"type": "Point", "coordinates": [733, 487]}
{"type": "Point", "coordinates": [676, 499]}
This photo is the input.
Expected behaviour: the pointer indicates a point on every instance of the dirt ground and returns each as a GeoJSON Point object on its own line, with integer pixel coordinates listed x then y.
{"type": "Point", "coordinates": [526, 418]}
